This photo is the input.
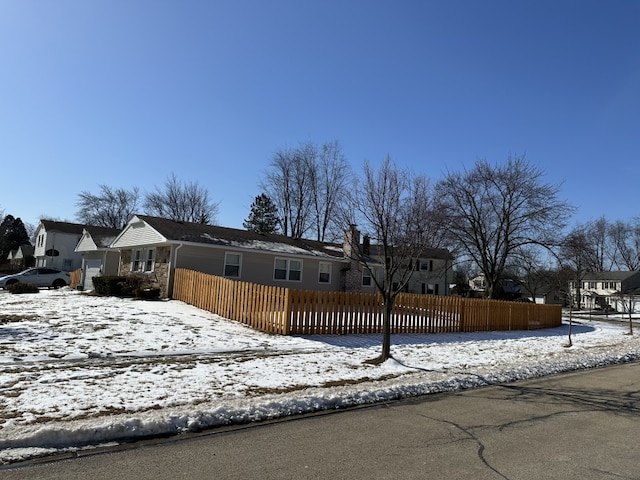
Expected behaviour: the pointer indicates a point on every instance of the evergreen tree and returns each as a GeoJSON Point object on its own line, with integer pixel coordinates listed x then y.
{"type": "Point", "coordinates": [263, 217]}
{"type": "Point", "coordinates": [12, 235]}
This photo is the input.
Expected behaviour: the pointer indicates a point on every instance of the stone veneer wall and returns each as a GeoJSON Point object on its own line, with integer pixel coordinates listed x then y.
{"type": "Point", "coordinates": [160, 274]}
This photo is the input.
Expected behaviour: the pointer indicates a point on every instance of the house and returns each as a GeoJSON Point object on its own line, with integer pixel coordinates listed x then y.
{"type": "Point", "coordinates": [156, 247]}
{"type": "Point", "coordinates": [508, 287]}
{"type": "Point", "coordinates": [97, 257]}
{"type": "Point", "coordinates": [22, 257]}
{"type": "Point", "coordinates": [432, 272]}
{"type": "Point", "coordinates": [602, 290]}
{"type": "Point", "coordinates": [56, 243]}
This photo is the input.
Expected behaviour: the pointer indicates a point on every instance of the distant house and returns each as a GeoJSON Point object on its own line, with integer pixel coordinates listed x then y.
{"type": "Point", "coordinates": [97, 257]}
{"type": "Point", "coordinates": [601, 290]}
{"type": "Point", "coordinates": [156, 247]}
{"type": "Point", "coordinates": [432, 273]}
{"type": "Point", "coordinates": [509, 287]}
{"type": "Point", "coordinates": [22, 257]}
{"type": "Point", "coordinates": [56, 243]}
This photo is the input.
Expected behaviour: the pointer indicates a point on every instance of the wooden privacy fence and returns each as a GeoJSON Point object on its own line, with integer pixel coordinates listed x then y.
{"type": "Point", "coordinates": [288, 311]}
{"type": "Point", "coordinates": [74, 278]}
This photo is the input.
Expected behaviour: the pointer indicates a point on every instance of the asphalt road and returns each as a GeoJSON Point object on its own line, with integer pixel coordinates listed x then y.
{"type": "Point", "coordinates": [583, 425]}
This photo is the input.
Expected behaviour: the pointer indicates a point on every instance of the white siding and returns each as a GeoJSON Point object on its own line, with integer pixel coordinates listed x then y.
{"type": "Point", "coordinates": [138, 234]}
{"type": "Point", "coordinates": [86, 244]}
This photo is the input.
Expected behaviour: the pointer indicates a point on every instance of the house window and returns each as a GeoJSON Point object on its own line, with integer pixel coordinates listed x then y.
{"type": "Point", "coordinates": [232, 265]}
{"type": "Point", "coordinates": [426, 266]}
{"type": "Point", "coordinates": [324, 272]}
{"type": "Point", "coordinates": [366, 278]}
{"type": "Point", "coordinates": [592, 284]}
{"type": "Point", "coordinates": [150, 260]}
{"type": "Point", "coordinates": [143, 260]}
{"type": "Point", "coordinates": [286, 269]}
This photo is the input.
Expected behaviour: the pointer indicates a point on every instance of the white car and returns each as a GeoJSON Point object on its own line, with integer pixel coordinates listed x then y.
{"type": "Point", "coordinates": [40, 276]}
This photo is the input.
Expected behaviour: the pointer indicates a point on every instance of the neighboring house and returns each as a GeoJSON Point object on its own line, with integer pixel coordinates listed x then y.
{"type": "Point", "coordinates": [509, 288]}
{"type": "Point", "coordinates": [11, 256]}
{"type": "Point", "coordinates": [157, 246]}
{"type": "Point", "coordinates": [432, 273]}
{"type": "Point", "coordinates": [547, 294]}
{"type": "Point", "coordinates": [602, 289]}
{"type": "Point", "coordinates": [97, 258]}
{"type": "Point", "coordinates": [22, 257]}
{"type": "Point", "coordinates": [56, 243]}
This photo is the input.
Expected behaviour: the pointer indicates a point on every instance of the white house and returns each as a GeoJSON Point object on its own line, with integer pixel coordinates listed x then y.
{"type": "Point", "coordinates": [603, 289]}
{"type": "Point", "coordinates": [97, 257]}
{"type": "Point", "coordinates": [56, 243]}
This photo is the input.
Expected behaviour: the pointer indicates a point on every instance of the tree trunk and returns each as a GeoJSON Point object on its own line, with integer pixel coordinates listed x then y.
{"type": "Point", "coordinates": [386, 330]}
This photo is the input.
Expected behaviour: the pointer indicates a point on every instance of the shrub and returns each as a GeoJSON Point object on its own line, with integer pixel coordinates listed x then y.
{"type": "Point", "coordinates": [22, 287]}
{"type": "Point", "coordinates": [135, 285]}
{"type": "Point", "coordinates": [111, 285]}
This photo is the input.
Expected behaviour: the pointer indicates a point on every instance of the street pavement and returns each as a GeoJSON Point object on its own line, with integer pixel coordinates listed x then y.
{"type": "Point", "coordinates": [583, 425]}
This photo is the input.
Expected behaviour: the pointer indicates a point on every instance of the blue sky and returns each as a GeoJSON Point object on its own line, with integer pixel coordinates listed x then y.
{"type": "Point", "coordinates": [127, 92]}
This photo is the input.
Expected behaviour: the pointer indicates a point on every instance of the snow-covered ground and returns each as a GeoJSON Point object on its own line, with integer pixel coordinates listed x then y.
{"type": "Point", "coordinates": [78, 371]}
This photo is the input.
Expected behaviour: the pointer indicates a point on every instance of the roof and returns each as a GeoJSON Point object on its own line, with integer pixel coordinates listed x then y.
{"type": "Point", "coordinates": [26, 249]}
{"type": "Point", "coordinates": [230, 237]}
{"type": "Point", "coordinates": [63, 227]}
{"type": "Point", "coordinates": [427, 253]}
{"type": "Point", "coordinates": [615, 276]}
{"type": "Point", "coordinates": [102, 236]}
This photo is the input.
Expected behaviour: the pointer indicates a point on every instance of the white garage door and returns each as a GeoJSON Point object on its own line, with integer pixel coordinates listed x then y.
{"type": "Point", "coordinates": [92, 268]}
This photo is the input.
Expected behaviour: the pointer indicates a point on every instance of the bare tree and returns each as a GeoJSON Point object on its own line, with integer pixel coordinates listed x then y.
{"type": "Point", "coordinates": [577, 255]}
{"type": "Point", "coordinates": [289, 185]}
{"type": "Point", "coordinates": [602, 249]}
{"type": "Point", "coordinates": [329, 187]}
{"type": "Point", "coordinates": [533, 272]}
{"type": "Point", "coordinates": [307, 185]}
{"type": "Point", "coordinates": [186, 202]}
{"type": "Point", "coordinates": [493, 211]}
{"type": "Point", "coordinates": [112, 207]}
{"type": "Point", "coordinates": [626, 238]}
{"type": "Point", "coordinates": [395, 209]}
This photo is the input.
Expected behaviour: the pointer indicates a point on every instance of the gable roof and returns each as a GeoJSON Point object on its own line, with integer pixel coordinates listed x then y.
{"type": "Point", "coordinates": [25, 250]}
{"type": "Point", "coordinates": [102, 236]}
{"type": "Point", "coordinates": [177, 232]}
{"type": "Point", "coordinates": [63, 227]}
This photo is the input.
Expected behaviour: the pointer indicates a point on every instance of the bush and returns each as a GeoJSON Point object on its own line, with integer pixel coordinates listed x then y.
{"type": "Point", "coordinates": [136, 285]}
{"type": "Point", "coordinates": [22, 287]}
{"type": "Point", "coordinates": [110, 285]}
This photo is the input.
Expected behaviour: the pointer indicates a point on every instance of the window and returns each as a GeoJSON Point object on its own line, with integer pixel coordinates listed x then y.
{"type": "Point", "coordinates": [592, 284]}
{"type": "Point", "coordinates": [366, 278]}
{"type": "Point", "coordinates": [151, 256]}
{"type": "Point", "coordinates": [232, 265]}
{"type": "Point", "coordinates": [426, 265]}
{"type": "Point", "coordinates": [286, 269]}
{"type": "Point", "coordinates": [135, 264]}
{"type": "Point", "coordinates": [324, 272]}
{"type": "Point", "coordinates": [143, 260]}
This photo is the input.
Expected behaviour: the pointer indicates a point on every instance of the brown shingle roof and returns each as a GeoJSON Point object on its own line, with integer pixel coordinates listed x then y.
{"type": "Point", "coordinates": [231, 237]}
